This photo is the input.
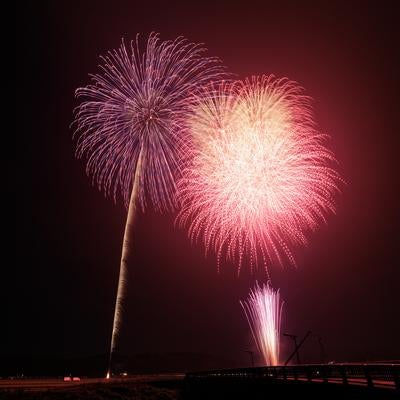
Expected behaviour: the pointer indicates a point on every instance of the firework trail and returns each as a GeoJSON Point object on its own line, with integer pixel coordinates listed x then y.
{"type": "Point", "coordinates": [258, 176]}
{"type": "Point", "coordinates": [263, 310]}
{"type": "Point", "coordinates": [129, 127]}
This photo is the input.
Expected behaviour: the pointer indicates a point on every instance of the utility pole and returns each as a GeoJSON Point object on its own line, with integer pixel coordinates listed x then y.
{"type": "Point", "coordinates": [294, 338]}
{"type": "Point", "coordinates": [251, 357]}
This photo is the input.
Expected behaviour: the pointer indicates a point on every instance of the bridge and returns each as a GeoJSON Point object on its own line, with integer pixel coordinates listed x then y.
{"type": "Point", "coordinates": [366, 380]}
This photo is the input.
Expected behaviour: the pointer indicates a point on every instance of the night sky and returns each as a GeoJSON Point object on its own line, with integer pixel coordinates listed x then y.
{"type": "Point", "coordinates": [60, 290]}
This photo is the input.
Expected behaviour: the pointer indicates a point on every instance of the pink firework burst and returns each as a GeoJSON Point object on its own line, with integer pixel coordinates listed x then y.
{"type": "Point", "coordinates": [258, 176]}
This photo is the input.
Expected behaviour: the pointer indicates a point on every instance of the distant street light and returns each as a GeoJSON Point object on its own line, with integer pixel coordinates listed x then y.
{"type": "Point", "coordinates": [294, 338]}
{"type": "Point", "coordinates": [296, 350]}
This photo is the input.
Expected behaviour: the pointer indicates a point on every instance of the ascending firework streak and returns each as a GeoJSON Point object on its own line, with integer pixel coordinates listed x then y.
{"type": "Point", "coordinates": [263, 310]}
{"type": "Point", "coordinates": [258, 176]}
{"type": "Point", "coordinates": [130, 129]}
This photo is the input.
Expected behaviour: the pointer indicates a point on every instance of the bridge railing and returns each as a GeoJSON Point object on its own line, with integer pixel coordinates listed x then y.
{"type": "Point", "coordinates": [371, 375]}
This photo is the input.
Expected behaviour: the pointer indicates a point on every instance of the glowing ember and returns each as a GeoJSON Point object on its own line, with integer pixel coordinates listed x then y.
{"type": "Point", "coordinates": [258, 176]}
{"type": "Point", "coordinates": [263, 310]}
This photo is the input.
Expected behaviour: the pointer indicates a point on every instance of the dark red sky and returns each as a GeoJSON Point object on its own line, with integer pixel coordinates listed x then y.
{"type": "Point", "coordinates": [63, 281]}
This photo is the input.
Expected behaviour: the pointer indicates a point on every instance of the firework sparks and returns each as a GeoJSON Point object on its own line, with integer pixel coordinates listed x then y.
{"type": "Point", "coordinates": [258, 176]}
{"type": "Point", "coordinates": [135, 107]}
{"type": "Point", "coordinates": [129, 127]}
{"type": "Point", "coordinates": [263, 310]}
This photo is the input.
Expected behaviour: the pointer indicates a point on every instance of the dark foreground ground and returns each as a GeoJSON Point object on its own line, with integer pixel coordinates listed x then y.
{"type": "Point", "coordinates": [147, 387]}
{"type": "Point", "coordinates": [176, 388]}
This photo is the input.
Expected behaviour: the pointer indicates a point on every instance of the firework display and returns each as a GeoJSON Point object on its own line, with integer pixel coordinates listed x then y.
{"type": "Point", "coordinates": [130, 117]}
{"type": "Point", "coordinates": [258, 176]}
{"type": "Point", "coordinates": [243, 161]}
{"type": "Point", "coordinates": [129, 127]}
{"type": "Point", "coordinates": [263, 310]}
